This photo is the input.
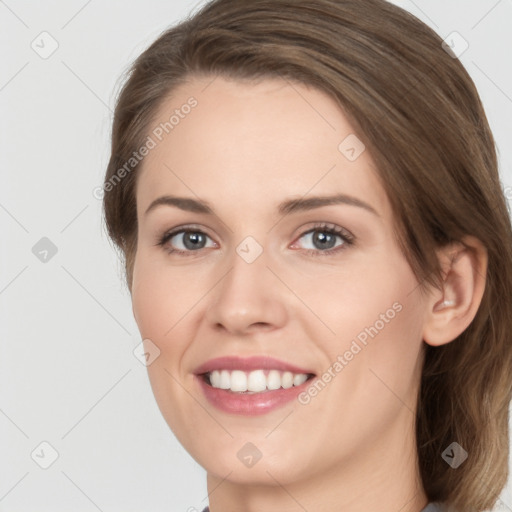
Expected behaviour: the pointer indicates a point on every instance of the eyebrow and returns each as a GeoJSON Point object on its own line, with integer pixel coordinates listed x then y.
{"type": "Point", "coordinates": [285, 208]}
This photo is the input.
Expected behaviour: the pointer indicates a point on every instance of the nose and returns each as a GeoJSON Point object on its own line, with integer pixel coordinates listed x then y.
{"type": "Point", "coordinates": [248, 298]}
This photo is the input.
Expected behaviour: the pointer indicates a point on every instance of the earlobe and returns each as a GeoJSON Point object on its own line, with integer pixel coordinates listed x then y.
{"type": "Point", "coordinates": [451, 309]}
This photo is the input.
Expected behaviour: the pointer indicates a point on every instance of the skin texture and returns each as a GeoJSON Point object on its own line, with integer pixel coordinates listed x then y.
{"type": "Point", "coordinates": [245, 148]}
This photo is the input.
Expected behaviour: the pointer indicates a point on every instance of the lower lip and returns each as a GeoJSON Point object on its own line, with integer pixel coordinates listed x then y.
{"type": "Point", "coordinates": [249, 404]}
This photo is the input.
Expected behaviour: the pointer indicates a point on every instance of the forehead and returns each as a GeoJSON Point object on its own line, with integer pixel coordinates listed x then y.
{"type": "Point", "coordinates": [252, 144]}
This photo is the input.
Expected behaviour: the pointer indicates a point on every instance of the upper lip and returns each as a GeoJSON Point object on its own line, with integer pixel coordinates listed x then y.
{"type": "Point", "coordinates": [248, 364]}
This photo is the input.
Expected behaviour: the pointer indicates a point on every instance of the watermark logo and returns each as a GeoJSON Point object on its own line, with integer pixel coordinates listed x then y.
{"type": "Point", "coordinates": [44, 455]}
{"type": "Point", "coordinates": [249, 455]}
{"type": "Point", "coordinates": [454, 455]}
{"type": "Point", "coordinates": [249, 249]}
{"type": "Point", "coordinates": [455, 45]}
{"type": "Point", "coordinates": [150, 143]}
{"type": "Point", "coordinates": [351, 147]}
{"type": "Point", "coordinates": [146, 352]}
{"type": "Point", "coordinates": [45, 45]}
{"type": "Point", "coordinates": [174, 119]}
{"type": "Point", "coordinates": [44, 250]}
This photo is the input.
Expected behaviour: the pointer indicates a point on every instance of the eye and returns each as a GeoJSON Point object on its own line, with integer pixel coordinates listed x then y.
{"type": "Point", "coordinates": [323, 237]}
{"type": "Point", "coordinates": [187, 240]}
{"type": "Point", "coordinates": [184, 240]}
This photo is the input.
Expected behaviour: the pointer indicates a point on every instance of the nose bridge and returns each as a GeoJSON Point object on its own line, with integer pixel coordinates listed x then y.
{"type": "Point", "coordinates": [247, 294]}
{"type": "Point", "coordinates": [248, 274]}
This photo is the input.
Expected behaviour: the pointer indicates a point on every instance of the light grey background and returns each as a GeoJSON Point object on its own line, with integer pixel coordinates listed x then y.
{"type": "Point", "coordinates": [67, 372]}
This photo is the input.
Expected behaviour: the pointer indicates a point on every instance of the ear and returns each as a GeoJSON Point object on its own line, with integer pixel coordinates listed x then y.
{"type": "Point", "coordinates": [451, 309]}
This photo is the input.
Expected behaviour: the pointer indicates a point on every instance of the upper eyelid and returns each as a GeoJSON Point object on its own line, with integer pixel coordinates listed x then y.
{"type": "Point", "coordinates": [184, 229]}
{"type": "Point", "coordinates": [318, 225]}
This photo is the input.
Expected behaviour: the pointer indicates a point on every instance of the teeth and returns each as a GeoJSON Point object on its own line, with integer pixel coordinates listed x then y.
{"type": "Point", "coordinates": [273, 379]}
{"type": "Point", "coordinates": [238, 381]}
{"type": "Point", "coordinates": [225, 380]}
{"type": "Point", "coordinates": [255, 381]}
{"type": "Point", "coordinates": [299, 379]}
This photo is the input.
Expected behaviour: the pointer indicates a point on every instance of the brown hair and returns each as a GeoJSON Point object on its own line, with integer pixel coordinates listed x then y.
{"type": "Point", "coordinates": [419, 114]}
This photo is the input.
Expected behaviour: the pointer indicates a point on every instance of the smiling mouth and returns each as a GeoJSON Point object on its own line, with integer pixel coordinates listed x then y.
{"type": "Point", "coordinates": [255, 381]}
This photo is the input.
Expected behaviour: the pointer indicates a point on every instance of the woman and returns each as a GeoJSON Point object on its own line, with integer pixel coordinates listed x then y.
{"type": "Point", "coordinates": [319, 254]}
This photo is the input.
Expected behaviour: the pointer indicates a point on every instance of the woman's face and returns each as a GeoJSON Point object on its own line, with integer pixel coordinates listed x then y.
{"type": "Point", "coordinates": [256, 279]}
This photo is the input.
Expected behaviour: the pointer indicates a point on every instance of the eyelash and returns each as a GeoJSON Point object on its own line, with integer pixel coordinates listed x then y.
{"type": "Point", "coordinates": [348, 239]}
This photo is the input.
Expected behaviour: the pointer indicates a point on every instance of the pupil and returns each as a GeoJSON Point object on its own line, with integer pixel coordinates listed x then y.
{"type": "Point", "coordinates": [321, 238]}
{"type": "Point", "coordinates": [192, 239]}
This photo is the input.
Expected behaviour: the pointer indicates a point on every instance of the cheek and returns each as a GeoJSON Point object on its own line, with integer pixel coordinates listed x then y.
{"type": "Point", "coordinates": [371, 365]}
{"type": "Point", "coordinates": [158, 300]}
{"type": "Point", "coordinates": [160, 306]}
{"type": "Point", "coordinates": [167, 302]}
{"type": "Point", "coordinates": [367, 291]}
{"type": "Point", "coordinates": [376, 312]}
{"type": "Point", "coordinates": [161, 293]}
